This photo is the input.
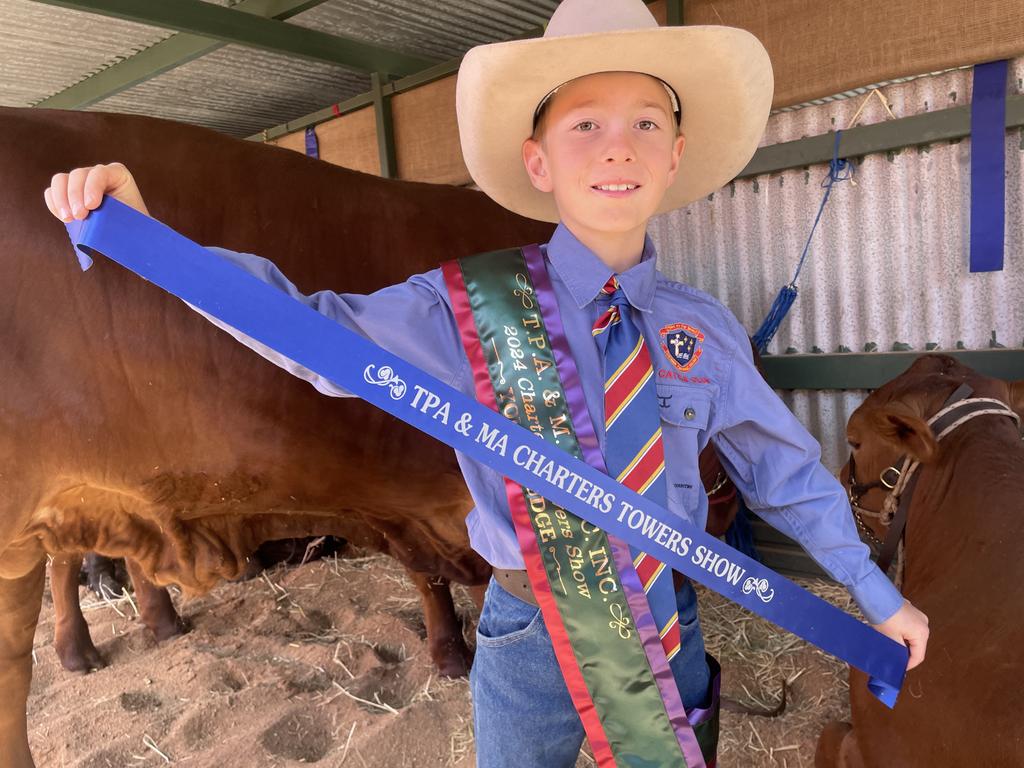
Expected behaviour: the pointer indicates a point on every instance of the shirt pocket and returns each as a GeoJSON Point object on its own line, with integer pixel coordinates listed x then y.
{"type": "Point", "coordinates": [685, 414]}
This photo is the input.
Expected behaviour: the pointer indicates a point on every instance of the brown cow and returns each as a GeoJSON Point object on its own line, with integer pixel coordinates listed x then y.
{"type": "Point", "coordinates": [962, 567]}
{"type": "Point", "coordinates": [131, 426]}
{"type": "Point", "coordinates": [74, 645]}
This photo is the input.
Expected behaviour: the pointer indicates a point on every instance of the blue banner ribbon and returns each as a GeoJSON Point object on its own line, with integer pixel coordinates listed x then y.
{"type": "Point", "coordinates": [218, 287]}
{"type": "Point", "coordinates": [988, 166]}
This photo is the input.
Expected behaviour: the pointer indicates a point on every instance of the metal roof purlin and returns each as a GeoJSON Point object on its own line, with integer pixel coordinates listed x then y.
{"type": "Point", "coordinates": [162, 57]}
{"type": "Point", "coordinates": [674, 13]}
{"type": "Point", "coordinates": [229, 26]}
{"type": "Point", "coordinates": [941, 125]}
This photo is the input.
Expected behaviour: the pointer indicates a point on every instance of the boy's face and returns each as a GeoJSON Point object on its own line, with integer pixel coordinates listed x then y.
{"type": "Point", "coordinates": [606, 128]}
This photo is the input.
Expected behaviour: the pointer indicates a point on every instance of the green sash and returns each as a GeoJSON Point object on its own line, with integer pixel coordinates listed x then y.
{"type": "Point", "coordinates": [573, 569]}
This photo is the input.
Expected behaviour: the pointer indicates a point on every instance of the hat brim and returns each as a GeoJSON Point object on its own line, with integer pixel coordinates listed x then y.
{"type": "Point", "coordinates": [723, 77]}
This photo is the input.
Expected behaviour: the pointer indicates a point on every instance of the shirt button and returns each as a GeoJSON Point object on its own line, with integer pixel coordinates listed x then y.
{"type": "Point", "coordinates": [690, 414]}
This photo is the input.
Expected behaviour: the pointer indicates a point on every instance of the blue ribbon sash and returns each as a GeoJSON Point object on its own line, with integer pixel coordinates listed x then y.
{"type": "Point", "coordinates": [164, 257]}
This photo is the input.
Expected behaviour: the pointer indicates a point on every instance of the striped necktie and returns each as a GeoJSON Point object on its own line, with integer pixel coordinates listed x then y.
{"type": "Point", "coordinates": [634, 453]}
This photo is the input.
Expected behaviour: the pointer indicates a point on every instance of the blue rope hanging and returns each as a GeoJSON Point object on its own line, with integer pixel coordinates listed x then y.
{"type": "Point", "coordinates": [839, 169]}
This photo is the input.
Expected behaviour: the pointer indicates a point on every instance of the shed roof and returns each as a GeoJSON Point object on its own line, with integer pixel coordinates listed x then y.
{"type": "Point", "coordinates": [86, 54]}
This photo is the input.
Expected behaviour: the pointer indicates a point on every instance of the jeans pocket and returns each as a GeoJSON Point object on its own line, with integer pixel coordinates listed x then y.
{"type": "Point", "coordinates": [506, 619]}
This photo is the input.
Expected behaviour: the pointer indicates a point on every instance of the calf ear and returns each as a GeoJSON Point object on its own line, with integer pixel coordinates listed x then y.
{"type": "Point", "coordinates": [905, 430]}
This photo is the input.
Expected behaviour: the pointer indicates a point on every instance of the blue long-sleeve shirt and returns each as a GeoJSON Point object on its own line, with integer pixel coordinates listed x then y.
{"type": "Point", "coordinates": [769, 455]}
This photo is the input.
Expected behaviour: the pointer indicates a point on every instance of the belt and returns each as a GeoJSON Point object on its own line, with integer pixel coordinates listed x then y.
{"type": "Point", "coordinates": [517, 583]}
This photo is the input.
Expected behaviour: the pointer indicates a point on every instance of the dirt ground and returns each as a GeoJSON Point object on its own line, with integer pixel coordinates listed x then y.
{"type": "Point", "coordinates": [326, 663]}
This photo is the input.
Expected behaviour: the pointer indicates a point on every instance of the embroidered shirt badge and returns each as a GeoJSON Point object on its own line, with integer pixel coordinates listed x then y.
{"type": "Point", "coordinates": [681, 344]}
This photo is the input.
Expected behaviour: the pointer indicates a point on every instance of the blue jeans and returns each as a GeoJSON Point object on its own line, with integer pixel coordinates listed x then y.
{"type": "Point", "coordinates": [522, 712]}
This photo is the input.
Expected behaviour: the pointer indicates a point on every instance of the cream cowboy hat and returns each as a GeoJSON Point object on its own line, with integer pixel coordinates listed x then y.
{"type": "Point", "coordinates": [722, 75]}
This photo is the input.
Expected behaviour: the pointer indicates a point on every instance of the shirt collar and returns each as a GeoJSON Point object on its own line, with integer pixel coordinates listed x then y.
{"type": "Point", "coordinates": [584, 274]}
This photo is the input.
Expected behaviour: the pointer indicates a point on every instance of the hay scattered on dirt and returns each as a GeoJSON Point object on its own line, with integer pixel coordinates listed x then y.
{"type": "Point", "coordinates": [327, 664]}
{"type": "Point", "coordinates": [756, 658]}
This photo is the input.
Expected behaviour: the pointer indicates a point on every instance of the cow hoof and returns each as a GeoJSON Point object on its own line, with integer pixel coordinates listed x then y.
{"type": "Point", "coordinates": [83, 658]}
{"type": "Point", "coordinates": [453, 659]}
{"type": "Point", "coordinates": [830, 745]}
{"type": "Point", "coordinates": [170, 629]}
{"type": "Point", "coordinates": [453, 668]}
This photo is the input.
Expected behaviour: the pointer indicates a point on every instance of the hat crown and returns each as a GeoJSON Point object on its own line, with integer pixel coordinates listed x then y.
{"type": "Point", "coordinates": [582, 17]}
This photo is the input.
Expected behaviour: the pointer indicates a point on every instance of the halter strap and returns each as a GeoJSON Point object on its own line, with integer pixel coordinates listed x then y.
{"type": "Point", "coordinates": [902, 476]}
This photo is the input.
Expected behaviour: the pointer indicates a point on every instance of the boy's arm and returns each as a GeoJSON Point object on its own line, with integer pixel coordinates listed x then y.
{"type": "Point", "coordinates": [410, 319]}
{"type": "Point", "coordinates": [777, 467]}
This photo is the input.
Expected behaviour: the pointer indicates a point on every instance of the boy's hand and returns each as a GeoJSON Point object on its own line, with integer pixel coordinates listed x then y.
{"type": "Point", "coordinates": [72, 195]}
{"type": "Point", "coordinates": [910, 627]}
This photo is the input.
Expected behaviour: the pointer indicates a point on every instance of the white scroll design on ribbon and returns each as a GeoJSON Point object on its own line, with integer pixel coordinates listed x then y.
{"type": "Point", "coordinates": [385, 377]}
{"type": "Point", "coordinates": [759, 587]}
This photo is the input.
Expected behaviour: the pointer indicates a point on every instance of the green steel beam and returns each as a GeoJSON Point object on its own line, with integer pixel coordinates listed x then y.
{"type": "Point", "coordinates": [943, 125]}
{"type": "Point", "coordinates": [428, 75]}
{"type": "Point", "coordinates": [674, 13]}
{"type": "Point", "coordinates": [315, 118]}
{"type": "Point", "coordinates": [781, 553]}
{"type": "Point", "coordinates": [228, 26]}
{"type": "Point", "coordinates": [385, 128]}
{"type": "Point", "coordinates": [165, 55]}
{"type": "Point", "coordinates": [872, 369]}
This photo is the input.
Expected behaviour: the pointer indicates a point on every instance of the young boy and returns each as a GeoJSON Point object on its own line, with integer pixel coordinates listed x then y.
{"type": "Point", "coordinates": [587, 126]}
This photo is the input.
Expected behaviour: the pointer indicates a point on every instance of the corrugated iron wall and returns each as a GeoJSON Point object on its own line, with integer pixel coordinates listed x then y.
{"type": "Point", "coordinates": [889, 261]}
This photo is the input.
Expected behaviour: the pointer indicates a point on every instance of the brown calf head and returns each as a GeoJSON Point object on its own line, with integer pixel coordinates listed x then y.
{"type": "Point", "coordinates": [893, 422]}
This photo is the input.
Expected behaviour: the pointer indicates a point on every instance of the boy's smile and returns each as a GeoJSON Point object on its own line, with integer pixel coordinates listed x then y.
{"type": "Point", "coordinates": [607, 148]}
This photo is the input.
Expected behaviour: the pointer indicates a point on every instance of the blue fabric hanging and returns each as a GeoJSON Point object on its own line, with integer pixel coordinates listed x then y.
{"type": "Point", "coordinates": [312, 145]}
{"type": "Point", "coordinates": [988, 166]}
{"type": "Point", "coordinates": [838, 170]}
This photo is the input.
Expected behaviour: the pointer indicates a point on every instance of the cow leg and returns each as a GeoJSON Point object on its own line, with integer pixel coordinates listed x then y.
{"type": "Point", "coordinates": [155, 605]}
{"type": "Point", "coordinates": [20, 602]}
{"type": "Point", "coordinates": [837, 748]}
{"type": "Point", "coordinates": [71, 638]}
{"type": "Point", "coordinates": [476, 594]}
{"type": "Point", "coordinates": [444, 630]}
